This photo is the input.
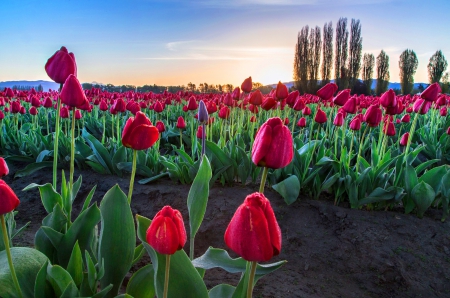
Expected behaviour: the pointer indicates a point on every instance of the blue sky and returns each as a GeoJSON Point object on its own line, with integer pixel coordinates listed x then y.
{"type": "Point", "coordinates": [175, 42]}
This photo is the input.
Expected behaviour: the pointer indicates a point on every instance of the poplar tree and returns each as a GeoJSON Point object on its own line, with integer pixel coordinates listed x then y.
{"type": "Point", "coordinates": [340, 70]}
{"type": "Point", "coordinates": [367, 71]}
{"type": "Point", "coordinates": [355, 53]}
{"type": "Point", "coordinates": [327, 53]}
{"type": "Point", "coordinates": [408, 65]}
{"type": "Point", "coordinates": [436, 67]}
{"type": "Point", "coordinates": [382, 73]}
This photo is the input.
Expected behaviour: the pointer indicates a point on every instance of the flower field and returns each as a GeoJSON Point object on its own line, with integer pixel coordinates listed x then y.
{"type": "Point", "coordinates": [387, 153]}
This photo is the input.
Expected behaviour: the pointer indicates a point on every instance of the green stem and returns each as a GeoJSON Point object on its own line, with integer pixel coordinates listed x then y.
{"type": "Point", "coordinates": [118, 128]}
{"type": "Point", "coordinates": [8, 255]}
{"type": "Point", "coordinates": [72, 154]}
{"type": "Point", "coordinates": [181, 138]}
{"type": "Point", "coordinates": [263, 179]}
{"type": "Point", "coordinates": [133, 173]}
{"type": "Point", "coordinates": [350, 150]}
{"type": "Point", "coordinates": [251, 279]}
{"type": "Point", "coordinates": [55, 148]}
{"type": "Point", "coordinates": [411, 132]}
{"type": "Point", "coordinates": [191, 248]}
{"type": "Point", "coordinates": [361, 144]}
{"type": "Point", "coordinates": [166, 280]}
{"type": "Point", "coordinates": [104, 129]}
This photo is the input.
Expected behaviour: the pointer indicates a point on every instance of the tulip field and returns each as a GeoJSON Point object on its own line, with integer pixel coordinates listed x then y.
{"type": "Point", "coordinates": [377, 154]}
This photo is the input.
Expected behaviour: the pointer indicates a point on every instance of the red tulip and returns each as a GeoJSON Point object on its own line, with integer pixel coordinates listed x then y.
{"type": "Point", "coordinates": [431, 93]}
{"type": "Point", "coordinates": [72, 93]}
{"type": "Point", "coordinates": [342, 97]}
{"type": "Point", "coordinates": [103, 106]}
{"type": "Point", "coordinates": [268, 103]}
{"type": "Point", "coordinates": [211, 107]}
{"type": "Point", "coordinates": [373, 116]}
{"type": "Point", "coordinates": [22, 110]}
{"type": "Point", "coordinates": [157, 107]}
{"type": "Point", "coordinates": [192, 104]}
{"type": "Point", "coordinates": [406, 118]}
{"type": "Point", "coordinates": [224, 112]}
{"type": "Point", "coordinates": [166, 234]}
{"type": "Point", "coordinates": [389, 128]}
{"type": "Point", "coordinates": [388, 99]}
{"type": "Point", "coordinates": [355, 124]}
{"type": "Point", "coordinates": [253, 119]}
{"type": "Point", "coordinates": [8, 199]}
{"type": "Point", "coordinates": [281, 91]}
{"type": "Point", "coordinates": [160, 126]}
{"type": "Point", "coordinates": [306, 111]}
{"type": "Point", "coordinates": [78, 115]}
{"type": "Point", "coordinates": [422, 105]}
{"type": "Point", "coordinates": [256, 98]}
{"type": "Point", "coordinates": [339, 119]}
{"type": "Point", "coordinates": [48, 103]}
{"type": "Point", "coordinates": [327, 91]}
{"type": "Point", "coordinates": [61, 65]}
{"type": "Point", "coordinates": [236, 95]}
{"type": "Point", "coordinates": [180, 123]}
{"type": "Point", "coordinates": [404, 139]}
{"type": "Point", "coordinates": [443, 111]}
{"type": "Point", "coordinates": [253, 232]}
{"type": "Point", "coordinates": [33, 111]}
{"type": "Point", "coordinates": [119, 105]}
{"type": "Point", "coordinates": [35, 102]}
{"type": "Point", "coordinates": [247, 86]}
{"type": "Point", "coordinates": [252, 108]}
{"type": "Point", "coordinates": [321, 117]}
{"type": "Point", "coordinates": [273, 146]}
{"type": "Point", "coordinates": [448, 131]}
{"type": "Point", "coordinates": [9, 93]}
{"type": "Point", "coordinates": [4, 170]}
{"type": "Point", "coordinates": [299, 104]}
{"type": "Point", "coordinates": [200, 132]}
{"type": "Point", "coordinates": [301, 122]}
{"type": "Point", "coordinates": [139, 133]}
{"type": "Point", "coordinates": [350, 106]}
{"type": "Point", "coordinates": [15, 107]}
{"type": "Point", "coordinates": [64, 112]}
{"type": "Point", "coordinates": [292, 98]}
{"type": "Point", "coordinates": [286, 121]}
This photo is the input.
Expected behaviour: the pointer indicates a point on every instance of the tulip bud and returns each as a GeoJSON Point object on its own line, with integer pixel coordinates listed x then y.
{"type": "Point", "coordinates": [443, 111]}
{"type": "Point", "coordinates": [253, 119]}
{"type": "Point", "coordinates": [421, 106]}
{"type": "Point", "coordinates": [78, 115]}
{"type": "Point", "coordinates": [64, 112]}
{"type": "Point", "coordinates": [253, 232]}
{"type": "Point", "coordinates": [8, 199]}
{"type": "Point", "coordinates": [338, 120]}
{"type": "Point", "coordinates": [273, 145]}
{"type": "Point", "coordinates": [61, 65]}
{"type": "Point", "coordinates": [406, 118]}
{"type": "Point", "coordinates": [327, 91]}
{"type": "Point", "coordinates": [350, 106]}
{"type": "Point", "coordinates": [281, 91]}
{"type": "Point", "coordinates": [199, 133]}
{"type": "Point", "coordinates": [247, 86]}
{"type": "Point", "coordinates": [404, 139]}
{"type": "Point", "coordinates": [166, 234]}
{"type": "Point", "coordinates": [4, 170]}
{"type": "Point", "coordinates": [342, 97]}
{"type": "Point", "coordinates": [72, 93]}
{"type": "Point", "coordinates": [268, 103]}
{"type": "Point", "coordinates": [431, 93]}
{"type": "Point", "coordinates": [292, 98]}
{"type": "Point", "coordinates": [224, 112]}
{"type": "Point", "coordinates": [181, 124]}
{"type": "Point", "coordinates": [299, 104]}
{"type": "Point", "coordinates": [321, 117]}
{"type": "Point", "coordinates": [355, 124]}
{"type": "Point", "coordinates": [256, 98]}
{"type": "Point", "coordinates": [139, 133]}
{"type": "Point", "coordinates": [192, 104]}
{"type": "Point", "coordinates": [389, 129]}
{"type": "Point", "coordinates": [202, 113]}
{"type": "Point", "coordinates": [236, 93]}
{"type": "Point", "coordinates": [157, 107]}
{"type": "Point", "coordinates": [373, 116]}
{"type": "Point", "coordinates": [388, 99]}
{"type": "Point", "coordinates": [306, 111]}
{"type": "Point", "coordinates": [160, 126]}
{"type": "Point", "coordinates": [301, 122]}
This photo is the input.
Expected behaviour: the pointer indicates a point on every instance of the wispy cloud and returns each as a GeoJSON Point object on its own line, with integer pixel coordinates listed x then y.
{"type": "Point", "coordinates": [240, 3]}
{"type": "Point", "coordinates": [198, 57]}
{"type": "Point", "coordinates": [176, 45]}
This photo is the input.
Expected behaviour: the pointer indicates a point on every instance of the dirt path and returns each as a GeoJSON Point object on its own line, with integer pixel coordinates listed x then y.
{"type": "Point", "coordinates": [331, 251]}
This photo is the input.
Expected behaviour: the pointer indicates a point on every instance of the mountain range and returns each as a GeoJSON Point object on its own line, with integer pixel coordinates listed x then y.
{"type": "Point", "coordinates": [47, 85]}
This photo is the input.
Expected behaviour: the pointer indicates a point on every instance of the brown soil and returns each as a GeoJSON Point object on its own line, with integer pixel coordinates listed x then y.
{"type": "Point", "coordinates": [331, 251]}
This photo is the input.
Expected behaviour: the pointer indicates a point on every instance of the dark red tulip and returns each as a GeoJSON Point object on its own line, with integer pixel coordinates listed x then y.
{"type": "Point", "coordinates": [273, 146]}
{"type": "Point", "coordinates": [157, 107]}
{"type": "Point", "coordinates": [224, 112]}
{"type": "Point", "coordinates": [8, 199]}
{"type": "Point", "coordinates": [200, 132]}
{"type": "Point", "coordinates": [2, 115]}
{"type": "Point", "coordinates": [253, 232]}
{"type": "Point", "coordinates": [253, 118]}
{"type": "Point", "coordinates": [72, 93]}
{"type": "Point", "coordinates": [299, 104]}
{"type": "Point", "coordinates": [448, 131]}
{"type": "Point", "coordinates": [236, 95]}
{"type": "Point", "coordinates": [160, 126]}
{"type": "Point", "coordinates": [139, 133]}
{"type": "Point", "coordinates": [253, 109]}
{"type": "Point", "coordinates": [48, 103]}
{"type": "Point", "coordinates": [192, 104]}
{"type": "Point", "coordinates": [103, 106]}
{"type": "Point", "coordinates": [211, 107]}
{"type": "Point", "coordinates": [4, 170]}
{"type": "Point", "coordinates": [119, 105]}
{"type": "Point", "coordinates": [306, 111]}
{"type": "Point", "coordinates": [78, 115]}
{"type": "Point", "coordinates": [321, 117]}
{"type": "Point", "coordinates": [9, 92]}
{"type": "Point", "coordinates": [256, 98]}
{"type": "Point", "coordinates": [292, 98]}
{"type": "Point", "coordinates": [33, 111]}
{"type": "Point", "coordinates": [301, 122]}
{"type": "Point", "coordinates": [389, 128]}
{"type": "Point", "coordinates": [373, 116]}
{"type": "Point", "coordinates": [355, 124]}
{"type": "Point", "coordinates": [15, 107]}
{"type": "Point", "coordinates": [338, 120]}
{"type": "Point", "coordinates": [342, 97]}
{"type": "Point", "coordinates": [35, 102]}
{"type": "Point", "coordinates": [431, 93]}
{"type": "Point", "coordinates": [166, 234]}
{"type": "Point", "coordinates": [181, 124]}
{"type": "Point", "coordinates": [281, 91]}
{"type": "Point", "coordinates": [327, 91]}
{"type": "Point", "coordinates": [350, 105]}
{"type": "Point", "coordinates": [268, 103]}
{"type": "Point", "coordinates": [406, 118]}
{"type": "Point", "coordinates": [421, 106]}
{"type": "Point", "coordinates": [286, 121]}
{"type": "Point", "coordinates": [64, 112]}
{"type": "Point", "coordinates": [388, 99]}
{"type": "Point", "coordinates": [247, 86]}
{"type": "Point", "coordinates": [443, 111]}
{"type": "Point", "coordinates": [404, 139]}
{"type": "Point", "coordinates": [61, 65]}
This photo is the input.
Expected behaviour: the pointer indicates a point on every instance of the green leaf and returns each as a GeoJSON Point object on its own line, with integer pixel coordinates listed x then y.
{"type": "Point", "coordinates": [99, 151]}
{"type": "Point", "coordinates": [42, 287]}
{"type": "Point", "coordinates": [198, 196]}
{"type": "Point", "coordinates": [222, 291]}
{"type": "Point", "coordinates": [219, 157]}
{"type": "Point", "coordinates": [423, 195]}
{"type": "Point", "coordinates": [184, 280]}
{"type": "Point", "coordinates": [49, 196]}
{"type": "Point", "coordinates": [27, 263]}
{"type": "Point", "coordinates": [219, 258]}
{"type": "Point", "coordinates": [154, 178]}
{"type": "Point", "coordinates": [88, 199]}
{"type": "Point", "coordinates": [33, 167]}
{"type": "Point", "coordinates": [75, 266]}
{"type": "Point", "coordinates": [289, 189]}
{"type": "Point", "coordinates": [140, 285]}
{"type": "Point", "coordinates": [117, 238]}
{"type": "Point", "coordinates": [142, 225]}
{"type": "Point", "coordinates": [139, 252]}
{"type": "Point", "coordinates": [119, 156]}
{"type": "Point", "coordinates": [393, 194]}
{"type": "Point", "coordinates": [60, 280]}
{"type": "Point", "coordinates": [433, 177]}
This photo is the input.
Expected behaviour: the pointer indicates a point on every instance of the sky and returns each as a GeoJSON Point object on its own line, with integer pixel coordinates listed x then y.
{"type": "Point", "coordinates": [174, 42]}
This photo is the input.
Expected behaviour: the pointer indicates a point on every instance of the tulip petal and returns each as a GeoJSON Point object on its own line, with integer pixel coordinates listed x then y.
{"type": "Point", "coordinates": [142, 137]}
{"type": "Point", "coordinates": [162, 235]}
{"type": "Point", "coordinates": [262, 143]}
{"type": "Point", "coordinates": [281, 150]}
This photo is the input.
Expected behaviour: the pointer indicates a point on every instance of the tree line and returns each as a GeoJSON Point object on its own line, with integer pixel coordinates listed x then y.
{"type": "Point", "coordinates": [314, 52]}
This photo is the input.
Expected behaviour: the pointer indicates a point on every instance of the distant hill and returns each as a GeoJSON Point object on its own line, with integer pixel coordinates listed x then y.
{"type": "Point", "coordinates": [393, 85]}
{"type": "Point", "coordinates": [46, 85]}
